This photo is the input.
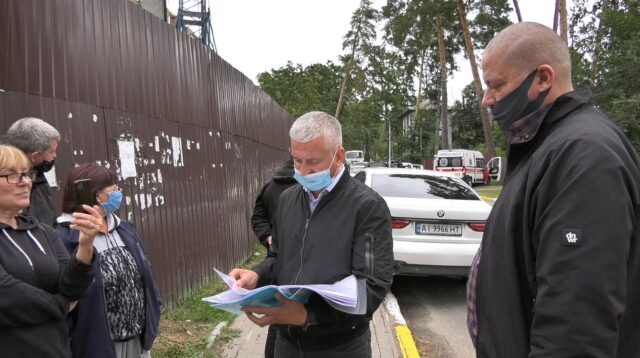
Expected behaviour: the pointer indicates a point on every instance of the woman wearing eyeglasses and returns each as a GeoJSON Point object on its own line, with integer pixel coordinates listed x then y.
{"type": "Point", "coordinates": [120, 313]}
{"type": "Point", "coordinates": [39, 281]}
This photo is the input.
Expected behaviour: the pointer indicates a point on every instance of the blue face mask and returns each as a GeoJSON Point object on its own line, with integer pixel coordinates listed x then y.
{"type": "Point", "coordinates": [315, 181]}
{"type": "Point", "coordinates": [113, 203]}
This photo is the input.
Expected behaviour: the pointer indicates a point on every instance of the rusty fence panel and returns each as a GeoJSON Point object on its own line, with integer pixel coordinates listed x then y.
{"type": "Point", "coordinates": [106, 74]}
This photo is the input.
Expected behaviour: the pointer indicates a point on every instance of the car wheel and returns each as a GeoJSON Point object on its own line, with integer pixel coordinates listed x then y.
{"type": "Point", "coordinates": [467, 180]}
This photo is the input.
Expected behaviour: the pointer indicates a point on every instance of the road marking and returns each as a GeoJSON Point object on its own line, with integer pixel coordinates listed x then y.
{"type": "Point", "coordinates": [407, 345]}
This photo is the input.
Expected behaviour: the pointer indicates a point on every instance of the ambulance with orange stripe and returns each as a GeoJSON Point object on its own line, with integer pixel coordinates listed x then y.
{"type": "Point", "coordinates": [468, 165]}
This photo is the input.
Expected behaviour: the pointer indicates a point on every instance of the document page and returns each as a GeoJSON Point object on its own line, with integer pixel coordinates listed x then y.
{"type": "Point", "coordinates": [347, 295]}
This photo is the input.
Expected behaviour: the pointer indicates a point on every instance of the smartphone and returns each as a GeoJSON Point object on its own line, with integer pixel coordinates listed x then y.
{"type": "Point", "coordinates": [84, 194]}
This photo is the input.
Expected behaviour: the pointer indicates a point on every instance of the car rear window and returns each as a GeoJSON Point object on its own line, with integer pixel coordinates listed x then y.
{"type": "Point", "coordinates": [449, 162]}
{"type": "Point", "coordinates": [420, 186]}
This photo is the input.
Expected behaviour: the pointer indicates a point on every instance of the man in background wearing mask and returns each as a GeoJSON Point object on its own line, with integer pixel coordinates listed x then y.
{"type": "Point", "coordinates": [39, 141]}
{"type": "Point", "coordinates": [329, 227]}
{"type": "Point", "coordinates": [558, 271]}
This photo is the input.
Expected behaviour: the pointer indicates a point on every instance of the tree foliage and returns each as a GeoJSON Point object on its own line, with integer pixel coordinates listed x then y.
{"type": "Point", "coordinates": [380, 75]}
{"type": "Point", "coordinates": [302, 89]}
{"type": "Point", "coordinates": [614, 79]}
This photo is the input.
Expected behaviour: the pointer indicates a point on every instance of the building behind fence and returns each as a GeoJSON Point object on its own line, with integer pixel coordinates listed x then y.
{"type": "Point", "coordinates": [192, 137]}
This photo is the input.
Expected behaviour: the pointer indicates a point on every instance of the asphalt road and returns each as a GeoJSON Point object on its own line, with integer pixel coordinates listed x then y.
{"type": "Point", "coordinates": [435, 311]}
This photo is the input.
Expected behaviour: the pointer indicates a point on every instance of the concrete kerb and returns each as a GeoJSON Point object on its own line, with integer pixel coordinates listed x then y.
{"type": "Point", "coordinates": [403, 333]}
{"type": "Point", "coordinates": [215, 333]}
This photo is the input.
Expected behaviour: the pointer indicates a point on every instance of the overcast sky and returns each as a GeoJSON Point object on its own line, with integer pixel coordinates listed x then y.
{"type": "Point", "coordinates": [257, 36]}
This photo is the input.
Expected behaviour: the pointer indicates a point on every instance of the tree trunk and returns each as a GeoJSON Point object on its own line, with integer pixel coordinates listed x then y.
{"type": "Point", "coordinates": [555, 17]}
{"type": "Point", "coordinates": [562, 9]}
{"type": "Point", "coordinates": [443, 85]}
{"type": "Point", "coordinates": [517, 7]}
{"type": "Point", "coordinates": [598, 48]}
{"type": "Point", "coordinates": [421, 76]}
{"type": "Point", "coordinates": [343, 88]}
{"type": "Point", "coordinates": [484, 114]}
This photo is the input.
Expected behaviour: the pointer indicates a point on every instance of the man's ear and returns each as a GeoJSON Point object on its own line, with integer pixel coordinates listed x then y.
{"type": "Point", "coordinates": [340, 155]}
{"type": "Point", "coordinates": [546, 78]}
{"type": "Point", "coordinates": [33, 157]}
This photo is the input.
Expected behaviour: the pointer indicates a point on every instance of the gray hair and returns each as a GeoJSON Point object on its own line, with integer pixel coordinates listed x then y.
{"type": "Point", "coordinates": [313, 125]}
{"type": "Point", "coordinates": [32, 135]}
{"type": "Point", "coordinates": [526, 45]}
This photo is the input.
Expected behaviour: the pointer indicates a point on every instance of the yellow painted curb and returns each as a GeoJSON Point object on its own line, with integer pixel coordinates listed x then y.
{"type": "Point", "coordinates": [407, 345]}
{"type": "Point", "coordinates": [486, 198]}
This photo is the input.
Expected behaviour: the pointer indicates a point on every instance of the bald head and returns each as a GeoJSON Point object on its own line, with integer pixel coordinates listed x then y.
{"type": "Point", "coordinates": [527, 45]}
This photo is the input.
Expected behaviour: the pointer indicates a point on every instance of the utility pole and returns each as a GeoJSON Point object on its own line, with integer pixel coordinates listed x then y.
{"type": "Point", "coordinates": [389, 125]}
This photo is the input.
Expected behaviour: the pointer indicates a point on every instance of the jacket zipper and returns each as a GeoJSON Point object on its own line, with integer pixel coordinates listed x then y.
{"type": "Point", "coordinates": [304, 237]}
{"type": "Point", "coordinates": [368, 254]}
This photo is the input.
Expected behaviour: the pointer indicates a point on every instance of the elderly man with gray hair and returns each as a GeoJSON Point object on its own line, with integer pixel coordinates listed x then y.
{"type": "Point", "coordinates": [39, 141]}
{"type": "Point", "coordinates": [327, 228]}
{"type": "Point", "coordinates": [558, 271]}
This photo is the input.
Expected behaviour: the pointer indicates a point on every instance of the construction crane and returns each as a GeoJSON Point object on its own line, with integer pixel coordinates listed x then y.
{"type": "Point", "coordinates": [195, 14]}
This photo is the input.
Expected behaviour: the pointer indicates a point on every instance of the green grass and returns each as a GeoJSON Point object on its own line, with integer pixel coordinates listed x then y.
{"type": "Point", "coordinates": [184, 330]}
{"type": "Point", "coordinates": [489, 191]}
{"type": "Point", "coordinates": [193, 309]}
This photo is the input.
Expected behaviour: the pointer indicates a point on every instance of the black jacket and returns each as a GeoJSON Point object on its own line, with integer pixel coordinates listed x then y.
{"type": "Point", "coordinates": [41, 201]}
{"type": "Point", "coordinates": [559, 274]}
{"type": "Point", "coordinates": [266, 206]}
{"type": "Point", "coordinates": [36, 286]}
{"type": "Point", "coordinates": [348, 233]}
{"type": "Point", "coordinates": [88, 323]}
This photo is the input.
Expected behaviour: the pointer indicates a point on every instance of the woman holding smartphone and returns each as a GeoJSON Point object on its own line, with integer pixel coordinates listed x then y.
{"type": "Point", "coordinates": [120, 314]}
{"type": "Point", "coordinates": [39, 281]}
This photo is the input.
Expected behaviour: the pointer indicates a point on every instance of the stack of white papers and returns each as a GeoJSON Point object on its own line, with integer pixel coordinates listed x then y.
{"type": "Point", "coordinates": [347, 295]}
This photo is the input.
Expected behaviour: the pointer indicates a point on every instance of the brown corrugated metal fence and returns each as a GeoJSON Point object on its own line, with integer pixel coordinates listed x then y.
{"type": "Point", "coordinates": [205, 138]}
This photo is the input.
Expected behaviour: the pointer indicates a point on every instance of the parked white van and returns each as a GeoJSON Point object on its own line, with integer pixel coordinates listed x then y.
{"type": "Point", "coordinates": [469, 165]}
{"type": "Point", "coordinates": [354, 156]}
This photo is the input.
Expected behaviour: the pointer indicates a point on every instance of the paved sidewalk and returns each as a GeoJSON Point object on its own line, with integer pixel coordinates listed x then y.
{"type": "Point", "coordinates": [252, 338]}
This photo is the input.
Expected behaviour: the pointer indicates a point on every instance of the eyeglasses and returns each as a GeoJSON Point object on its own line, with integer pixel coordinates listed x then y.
{"type": "Point", "coordinates": [16, 178]}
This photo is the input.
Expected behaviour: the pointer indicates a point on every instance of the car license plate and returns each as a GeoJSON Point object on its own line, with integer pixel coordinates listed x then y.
{"type": "Point", "coordinates": [439, 229]}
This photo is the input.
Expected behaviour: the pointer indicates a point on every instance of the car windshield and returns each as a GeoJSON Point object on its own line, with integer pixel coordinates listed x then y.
{"type": "Point", "coordinates": [420, 186]}
{"type": "Point", "coordinates": [353, 155]}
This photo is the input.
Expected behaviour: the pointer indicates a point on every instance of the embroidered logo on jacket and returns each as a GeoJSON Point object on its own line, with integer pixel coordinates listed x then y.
{"type": "Point", "coordinates": [571, 237]}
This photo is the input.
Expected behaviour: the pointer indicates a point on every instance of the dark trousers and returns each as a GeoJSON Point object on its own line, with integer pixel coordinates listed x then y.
{"type": "Point", "coordinates": [270, 346]}
{"type": "Point", "coordinates": [359, 347]}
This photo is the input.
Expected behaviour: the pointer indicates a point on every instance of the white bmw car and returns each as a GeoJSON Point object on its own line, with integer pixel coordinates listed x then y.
{"type": "Point", "coordinates": [438, 220]}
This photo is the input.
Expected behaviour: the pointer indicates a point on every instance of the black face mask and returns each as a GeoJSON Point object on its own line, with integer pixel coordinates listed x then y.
{"type": "Point", "coordinates": [44, 167]}
{"type": "Point", "coordinates": [516, 104]}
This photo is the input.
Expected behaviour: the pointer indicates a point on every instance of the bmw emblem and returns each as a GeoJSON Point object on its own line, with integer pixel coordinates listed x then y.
{"type": "Point", "coordinates": [440, 213]}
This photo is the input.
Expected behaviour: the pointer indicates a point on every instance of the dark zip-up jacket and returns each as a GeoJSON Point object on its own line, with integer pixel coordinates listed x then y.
{"type": "Point", "coordinates": [559, 274]}
{"type": "Point", "coordinates": [41, 201]}
{"type": "Point", "coordinates": [264, 212]}
{"type": "Point", "coordinates": [348, 233]}
{"type": "Point", "coordinates": [38, 280]}
{"type": "Point", "coordinates": [88, 322]}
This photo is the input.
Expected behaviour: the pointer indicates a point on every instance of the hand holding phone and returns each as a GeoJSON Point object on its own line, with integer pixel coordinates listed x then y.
{"type": "Point", "coordinates": [84, 194]}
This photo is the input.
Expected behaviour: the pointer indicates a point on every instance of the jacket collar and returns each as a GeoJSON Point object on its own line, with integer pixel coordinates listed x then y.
{"type": "Point", "coordinates": [566, 104]}
{"type": "Point", "coordinates": [551, 113]}
{"type": "Point", "coordinates": [337, 189]}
